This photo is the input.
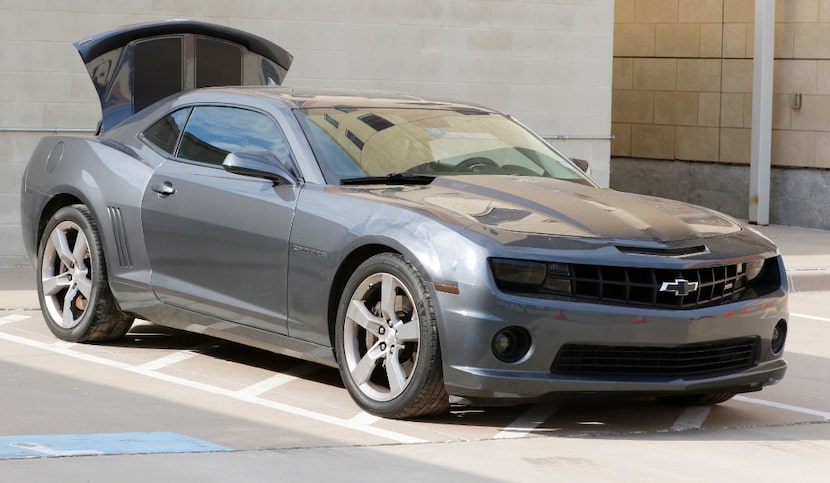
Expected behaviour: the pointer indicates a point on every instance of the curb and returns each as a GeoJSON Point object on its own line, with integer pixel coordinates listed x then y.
{"type": "Point", "coordinates": [809, 280]}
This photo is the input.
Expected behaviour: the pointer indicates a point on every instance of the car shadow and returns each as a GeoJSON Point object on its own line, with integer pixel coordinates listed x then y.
{"type": "Point", "coordinates": [594, 416]}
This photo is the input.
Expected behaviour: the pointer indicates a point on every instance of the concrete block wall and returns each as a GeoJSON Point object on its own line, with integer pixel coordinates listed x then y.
{"type": "Point", "coordinates": [547, 62]}
{"type": "Point", "coordinates": [682, 90]}
{"type": "Point", "coordinates": [682, 85]}
{"type": "Point", "coordinates": [797, 195]}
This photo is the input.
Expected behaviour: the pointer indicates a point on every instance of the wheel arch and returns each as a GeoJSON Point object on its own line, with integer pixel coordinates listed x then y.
{"type": "Point", "coordinates": [52, 206]}
{"type": "Point", "coordinates": [341, 277]}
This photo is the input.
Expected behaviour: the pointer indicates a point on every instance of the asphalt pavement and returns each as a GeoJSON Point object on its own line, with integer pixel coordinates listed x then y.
{"type": "Point", "coordinates": [806, 255]}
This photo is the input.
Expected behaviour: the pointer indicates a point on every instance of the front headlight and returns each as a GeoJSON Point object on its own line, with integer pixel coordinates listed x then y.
{"type": "Point", "coordinates": [753, 269]}
{"type": "Point", "coordinates": [518, 275]}
{"type": "Point", "coordinates": [529, 276]}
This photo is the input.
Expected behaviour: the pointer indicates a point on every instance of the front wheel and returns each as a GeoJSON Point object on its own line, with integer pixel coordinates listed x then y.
{"type": "Point", "coordinates": [72, 280]}
{"type": "Point", "coordinates": [386, 341]}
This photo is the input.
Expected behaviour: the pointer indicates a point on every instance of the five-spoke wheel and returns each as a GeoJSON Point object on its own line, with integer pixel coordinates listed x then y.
{"type": "Point", "coordinates": [74, 295]}
{"type": "Point", "coordinates": [66, 275]}
{"type": "Point", "coordinates": [386, 340]}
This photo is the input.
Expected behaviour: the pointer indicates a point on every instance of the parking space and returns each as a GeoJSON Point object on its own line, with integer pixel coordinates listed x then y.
{"type": "Point", "coordinates": [159, 380]}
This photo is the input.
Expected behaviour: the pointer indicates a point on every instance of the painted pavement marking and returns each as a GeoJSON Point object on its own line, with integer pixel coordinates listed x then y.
{"type": "Point", "coordinates": [364, 418]}
{"type": "Point", "coordinates": [786, 407]}
{"type": "Point", "coordinates": [277, 380]}
{"type": "Point", "coordinates": [811, 317]}
{"type": "Point", "coordinates": [176, 357]}
{"type": "Point", "coordinates": [63, 445]}
{"type": "Point", "coordinates": [528, 421]}
{"type": "Point", "coordinates": [7, 319]}
{"type": "Point", "coordinates": [691, 418]}
{"type": "Point", "coordinates": [62, 344]}
{"type": "Point", "coordinates": [253, 399]}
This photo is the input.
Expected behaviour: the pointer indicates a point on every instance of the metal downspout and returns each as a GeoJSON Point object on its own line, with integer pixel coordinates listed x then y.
{"type": "Point", "coordinates": [762, 75]}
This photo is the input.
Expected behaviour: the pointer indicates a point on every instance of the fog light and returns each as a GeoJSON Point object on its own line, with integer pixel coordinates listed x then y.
{"type": "Point", "coordinates": [511, 344]}
{"type": "Point", "coordinates": [779, 336]}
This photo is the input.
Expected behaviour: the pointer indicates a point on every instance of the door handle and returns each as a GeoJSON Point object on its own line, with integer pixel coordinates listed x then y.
{"type": "Point", "coordinates": [164, 189]}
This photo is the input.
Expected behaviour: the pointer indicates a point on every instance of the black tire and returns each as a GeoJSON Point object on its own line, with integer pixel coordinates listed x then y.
{"type": "Point", "coordinates": [698, 399]}
{"type": "Point", "coordinates": [72, 286]}
{"type": "Point", "coordinates": [410, 353]}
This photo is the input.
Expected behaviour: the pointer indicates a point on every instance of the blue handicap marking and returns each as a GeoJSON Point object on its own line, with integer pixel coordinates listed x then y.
{"type": "Point", "coordinates": [61, 445]}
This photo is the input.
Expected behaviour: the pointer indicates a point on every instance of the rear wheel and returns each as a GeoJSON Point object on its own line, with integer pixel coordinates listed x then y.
{"type": "Point", "coordinates": [75, 297]}
{"type": "Point", "coordinates": [386, 341]}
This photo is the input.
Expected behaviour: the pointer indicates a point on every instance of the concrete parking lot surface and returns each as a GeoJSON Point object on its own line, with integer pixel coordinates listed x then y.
{"type": "Point", "coordinates": [183, 407]}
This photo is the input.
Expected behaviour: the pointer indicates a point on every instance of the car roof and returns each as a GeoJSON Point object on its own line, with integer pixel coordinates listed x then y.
{"type": "Point", "coordinates": [333, 98]}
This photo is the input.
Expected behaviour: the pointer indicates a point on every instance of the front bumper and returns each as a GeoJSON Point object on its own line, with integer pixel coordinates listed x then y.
{"type": "Point", "coordinates": [474, 375]}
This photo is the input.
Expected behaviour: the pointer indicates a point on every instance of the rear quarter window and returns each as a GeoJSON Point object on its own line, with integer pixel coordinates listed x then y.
{"type": "Point", "coordinates": [165, 132]}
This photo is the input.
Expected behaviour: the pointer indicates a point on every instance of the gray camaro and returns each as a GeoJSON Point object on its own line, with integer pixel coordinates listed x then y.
{"type": "Point", "coordinates": [435, 252]}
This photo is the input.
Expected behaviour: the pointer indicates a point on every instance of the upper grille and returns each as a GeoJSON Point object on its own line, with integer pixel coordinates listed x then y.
{"type": "Point", "coordinates": [659, 288]}
{"type": "Point", "coordinates": [641, 286]}
{"type": "Point", "coordinates": [682, 361]}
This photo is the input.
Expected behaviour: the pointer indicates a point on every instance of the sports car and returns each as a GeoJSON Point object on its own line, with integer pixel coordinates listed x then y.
{"type": "Point", "coordinates": [436, 252]}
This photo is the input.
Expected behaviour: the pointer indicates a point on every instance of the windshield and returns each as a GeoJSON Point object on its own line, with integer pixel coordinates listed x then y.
{"type": "Point", "coordinates": [352, 143]}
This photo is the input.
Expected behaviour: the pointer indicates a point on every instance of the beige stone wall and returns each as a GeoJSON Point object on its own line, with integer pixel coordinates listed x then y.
{"type": "Point", "coordinates": [682, 81]}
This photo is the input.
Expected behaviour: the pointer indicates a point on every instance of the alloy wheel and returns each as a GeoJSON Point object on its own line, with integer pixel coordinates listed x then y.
{"type": "Point", "coordinates": [66, 275]}
{"type": "Point", "coordinates": [381, 337]}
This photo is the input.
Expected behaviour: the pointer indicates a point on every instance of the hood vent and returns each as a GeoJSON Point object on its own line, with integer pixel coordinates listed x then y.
{"type": "Point", "coordinates": [665, 252]}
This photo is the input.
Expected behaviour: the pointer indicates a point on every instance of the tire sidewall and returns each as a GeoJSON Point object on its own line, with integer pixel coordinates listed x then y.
{"type": "Point", "coordinates": [79, 215]}
{"type": "Point", "coordinates": [427, 345]}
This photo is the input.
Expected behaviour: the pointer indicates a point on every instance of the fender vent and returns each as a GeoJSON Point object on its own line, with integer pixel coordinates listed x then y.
{"type": "Point", "coordinates": [119, 234]}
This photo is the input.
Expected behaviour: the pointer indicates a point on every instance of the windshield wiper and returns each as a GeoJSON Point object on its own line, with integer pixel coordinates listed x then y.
{"type": "Point", "coordinates": [392, 178]}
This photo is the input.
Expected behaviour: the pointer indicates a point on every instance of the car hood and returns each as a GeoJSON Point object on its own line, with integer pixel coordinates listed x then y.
{"type": "Point", "coordinates": [501, 205]}
{"type": "Point", "coordinates": [134, 66]}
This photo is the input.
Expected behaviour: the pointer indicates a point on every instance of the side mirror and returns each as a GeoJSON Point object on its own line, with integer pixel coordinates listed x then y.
{"type": "Point", "coordinates": [259, 164]}
{"type": "Point", "coordinates": [582, 164]}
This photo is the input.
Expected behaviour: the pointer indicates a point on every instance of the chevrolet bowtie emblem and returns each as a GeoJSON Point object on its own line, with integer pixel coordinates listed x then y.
{"type": "Point", "coordinates": [680, 287]}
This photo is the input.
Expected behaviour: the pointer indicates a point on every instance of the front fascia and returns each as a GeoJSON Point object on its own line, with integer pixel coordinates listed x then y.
{"type": "Point", "coordinates": [470, 319]}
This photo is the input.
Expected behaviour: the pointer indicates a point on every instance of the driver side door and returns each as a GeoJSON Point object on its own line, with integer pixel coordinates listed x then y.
{"type": "Point", "coordinates": [218, 242]}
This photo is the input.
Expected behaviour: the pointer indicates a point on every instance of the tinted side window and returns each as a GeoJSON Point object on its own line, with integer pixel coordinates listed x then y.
{"type": "Point", "coordinates": [212, 132]}
{"type": "Point", "coordinates": [164, 132]}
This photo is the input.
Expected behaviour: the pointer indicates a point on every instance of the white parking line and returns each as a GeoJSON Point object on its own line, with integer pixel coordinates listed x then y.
{"type": "Point", "coordinates": [277, 380]}
{"type": "Point", "coordinates": [812, 317]}
{"type": "Point", "coordinates": [787, 407]}
{"type": "Point", "coordinates": [692, 417]}
{"type": "Point", "coordinates": [364, 418]}
{"type": "Point", "coordinates": [61, 344]}
{"type": "Point", "coordinates": [176, 357]}
{"type": "Point", "coordinates": [286, 408]}
{"type": "Point", "coordinates": [7, 319]}
{"type": "Point", "coordinates": [528, 421]}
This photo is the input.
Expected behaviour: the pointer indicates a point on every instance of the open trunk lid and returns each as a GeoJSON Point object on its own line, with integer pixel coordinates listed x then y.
{"type": "Point", "coordinates": [134, 66]}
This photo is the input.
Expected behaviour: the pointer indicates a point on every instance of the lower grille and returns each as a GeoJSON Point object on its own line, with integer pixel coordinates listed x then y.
{"type": "Point", "coordinates": [683, 361]}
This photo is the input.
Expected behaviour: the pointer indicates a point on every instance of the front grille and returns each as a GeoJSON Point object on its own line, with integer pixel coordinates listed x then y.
{"type": "Point", "coordinates": [683, 361]}
{"type": "Point", "coordinates": [657, 288]}
{"type": "Point", "coordinates": [641, 286]}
